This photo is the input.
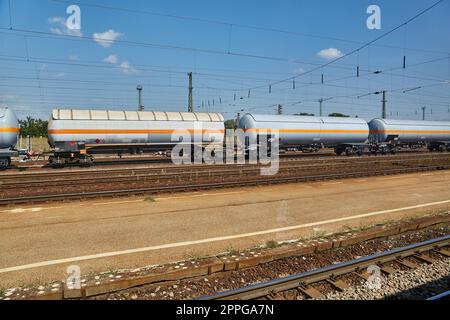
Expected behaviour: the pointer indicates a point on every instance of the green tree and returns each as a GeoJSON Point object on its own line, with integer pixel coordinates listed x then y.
{"type": "Point", "coordinates": [230, 124]}
{"type": "Point", "coordinates": [31, 127]}
{"type": "Point", "coordinates": [338, 114]}
{"type": "Point", "coordinates": [304, 114]}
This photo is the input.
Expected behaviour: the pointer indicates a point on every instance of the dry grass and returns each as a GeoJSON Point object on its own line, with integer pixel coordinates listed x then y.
{"type": "Point", "coordinates": [38, 144]}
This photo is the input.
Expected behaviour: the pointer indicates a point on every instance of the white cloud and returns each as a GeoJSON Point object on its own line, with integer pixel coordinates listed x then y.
{"type": "Point", "coordinates": [330, 53]}
{"type": "Point", "coordinates": [60, 75]}
{"type": "Point", "coordinates": [59, 27]}
{"type": "Point", "coordinates": [298, 71]}
{"type": "Point", "coordinates": [107, 38]}
{"type": "Point", "coordinates": [124, 66]}
{"type": "Point", "coordinates": [127, 68]}
{"type": "Point", "coordinates": [73, 57]}
{"type": "Point", "coordinates": [113, 59]}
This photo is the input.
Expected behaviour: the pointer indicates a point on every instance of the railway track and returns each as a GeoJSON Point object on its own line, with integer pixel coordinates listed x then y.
{"type": "Point", "coordinates": [241, 182]}
{"type": "Point", "coordinates": [303, 282]}
{"type": "Point", "coordinates": [105, 162]}
{"type": "Point", "coordinates": [169, 168]}
{"type": "Point", "coordinates": [170, 173]}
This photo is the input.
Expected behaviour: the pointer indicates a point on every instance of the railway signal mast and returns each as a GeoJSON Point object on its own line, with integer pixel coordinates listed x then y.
{"type": "Point", "coordinates": [321, 100]}
{"type": "Point", "coordinates": [383, 111]}
{"type": "Point", "coordinates": [140, 106]}
{"type": "Point", "coordinates": [423, 112]}
{"type": "Point", "coordinates": [190, 99]}
{"type": "Point", "coordinates": [320, 107]}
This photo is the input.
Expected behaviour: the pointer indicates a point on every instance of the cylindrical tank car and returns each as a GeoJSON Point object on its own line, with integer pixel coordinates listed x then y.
{"type": "Point", "coordinates": [9, 132]}
{"type": "Point", "coordinates": [75, 134]}
{"type": "Point", "coordinates": [436, 134]}
{"type": "Point", "coordinates": [344, 134]}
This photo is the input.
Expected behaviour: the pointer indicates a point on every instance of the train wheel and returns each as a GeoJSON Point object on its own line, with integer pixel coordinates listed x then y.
{"type": "Point", "coordinates": [348, 152]}
{"type": "Point", "coordinates": [5, 163]}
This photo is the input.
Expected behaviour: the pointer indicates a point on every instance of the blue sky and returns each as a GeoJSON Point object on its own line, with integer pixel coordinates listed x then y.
{"type": "Point", "coordinates": [43, 65]}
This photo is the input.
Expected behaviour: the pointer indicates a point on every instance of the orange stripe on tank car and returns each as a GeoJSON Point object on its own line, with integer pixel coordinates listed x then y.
{"type": "Point", "coordinates": [412, 131]}
{"type": "Point", "coordinates": [16, 130]}
{"type": "Point", "coordinates": [128, 131]}
{"type": "Point", "coordinates": [307, 130]}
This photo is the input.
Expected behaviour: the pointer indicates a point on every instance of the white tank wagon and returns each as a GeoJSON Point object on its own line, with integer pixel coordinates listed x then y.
{"type": "Point", "coordinates": [436, 134]}
{"type": "Point", "coordinates": [75, 134]}
{"type": "Point", "coordinates": [310, 133]}
{"type": "Point", "coordinates": [9, 133]}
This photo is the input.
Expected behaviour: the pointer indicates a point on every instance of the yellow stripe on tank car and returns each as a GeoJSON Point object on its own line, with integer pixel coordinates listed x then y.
{"type": "Point", "coordinates": [412, 131]}
{"type": "Point", "coordinates": [128, 131]}
{"type": "Point", "coordinates": [16, 130]}
{"type": "Point", "coordinates": [306, 130]}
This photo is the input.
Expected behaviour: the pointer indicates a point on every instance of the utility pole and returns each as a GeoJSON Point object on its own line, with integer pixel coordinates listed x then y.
{"type": "Point", "coordinates": [320, 107]}
{"type": "Point", "coordinates": [423, 112]}
{"type": "Point", "coordinates": [280, 109]}
{"type": "Point", "coordinates": [140, 106]}
{"type": "Point", "coordinates": [383, 113]}
{"type": "Point", "coordinates": [190, 99]}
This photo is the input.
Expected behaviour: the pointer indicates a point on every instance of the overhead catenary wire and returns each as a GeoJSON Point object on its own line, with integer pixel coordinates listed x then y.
{"type": "Point", "coordinates": [252, 95]}
{"type": "Point", "coordinates": [233, 24]}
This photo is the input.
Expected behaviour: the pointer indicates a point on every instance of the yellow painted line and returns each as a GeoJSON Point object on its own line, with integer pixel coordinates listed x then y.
{"type": "Point", "coordinates": [209, 240]}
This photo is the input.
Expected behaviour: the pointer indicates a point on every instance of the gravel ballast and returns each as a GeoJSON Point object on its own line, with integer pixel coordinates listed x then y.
{"type": "Point", "coordinates": [421, 283]}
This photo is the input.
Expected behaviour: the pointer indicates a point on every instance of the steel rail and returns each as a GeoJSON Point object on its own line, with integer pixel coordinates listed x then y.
{"type": "Point", "coordinates": [301, 279]}
{"type": "Point", "coordinates": [177, 168]}
{"type": "Point", "coordinates": [158, 174]}
{"type": "Point", "coordinates": [296, 159]}
{"type": "Point", "coordinates": [213, 185]}
{"type": "Point", "coordinates": [442, 296]}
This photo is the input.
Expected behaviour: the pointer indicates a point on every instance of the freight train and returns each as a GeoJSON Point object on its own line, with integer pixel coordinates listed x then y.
{"type": "Point", "coordinates": [349, 135]}
{"type": "Point", "coordinates": [9, 133]}
{"type": "Point", "coordinates": [76, 135]}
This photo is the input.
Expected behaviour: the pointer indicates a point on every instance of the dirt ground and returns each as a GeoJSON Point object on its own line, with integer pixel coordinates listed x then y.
{"type": "Point", "coordinates": [39, 243]}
